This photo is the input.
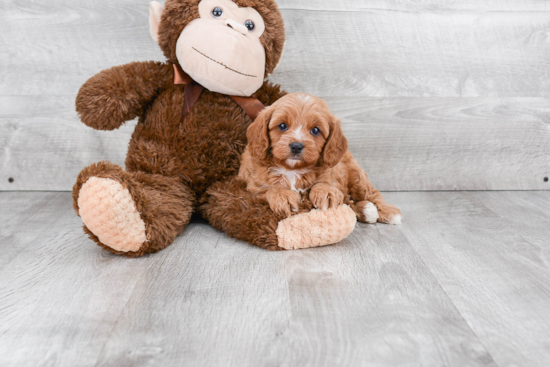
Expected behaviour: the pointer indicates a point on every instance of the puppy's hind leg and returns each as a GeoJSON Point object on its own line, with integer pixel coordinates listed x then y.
{"type": "Point", "coordinates": [370, 203]}
{"type": "Point", "coordinates": [386, 213]}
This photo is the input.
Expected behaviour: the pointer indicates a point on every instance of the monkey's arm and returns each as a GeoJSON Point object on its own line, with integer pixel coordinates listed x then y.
{"type": "Point", "coordinates": [116, 95]}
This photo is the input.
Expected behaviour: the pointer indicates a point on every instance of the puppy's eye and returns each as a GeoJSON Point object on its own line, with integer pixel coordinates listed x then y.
{"type": "Point", "coordinates": [217, 12]}
{"type": "Point", "coordinates": [315, 131]}
{"type": "Point", "coordinates": [283, 127]}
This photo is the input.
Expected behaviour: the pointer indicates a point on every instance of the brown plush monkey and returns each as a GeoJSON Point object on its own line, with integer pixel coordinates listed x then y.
{"type": "Point", "coordinates": [185, 151]}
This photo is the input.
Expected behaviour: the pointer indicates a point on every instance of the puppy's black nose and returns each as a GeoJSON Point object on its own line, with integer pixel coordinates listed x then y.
{"type": "Point", "coordinates": [296, 148]}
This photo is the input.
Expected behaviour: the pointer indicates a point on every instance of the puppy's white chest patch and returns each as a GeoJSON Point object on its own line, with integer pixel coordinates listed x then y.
{"type": "Point", "coordinates": [291, 176]}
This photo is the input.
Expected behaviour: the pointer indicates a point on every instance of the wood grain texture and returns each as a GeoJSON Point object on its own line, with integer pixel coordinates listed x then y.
{"type": "Point", "coordinates": [489, 251]}
{"type": "Point", "coordinates": [47, 152]}
{"type": "Point", "coordinates": [208, 300]}
{"type": "Point", "coordinates": [383, 49]}
{"type": "Point", "coordinates": [417, 5]}
{"type": "Point", "coordinates": [402, 143]}
{"type": "Point", "coordinates": [493, 54]}
{"type": "Point", "coordinates": [408, 144]}
{"type": "Point", "coordinates": [367, 301]}
{"type": "Point", "coordinates": [25, 216]}
{"type": "Point", "coordinates": [59, 297]}
{"type": "Point", "coordinates": [421, 53]}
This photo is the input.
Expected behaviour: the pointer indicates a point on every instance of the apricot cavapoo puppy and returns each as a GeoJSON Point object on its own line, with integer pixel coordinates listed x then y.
{"type": "Point", "coordinates": [296, 146]}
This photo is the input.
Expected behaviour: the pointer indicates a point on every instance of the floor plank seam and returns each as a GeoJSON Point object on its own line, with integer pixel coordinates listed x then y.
{"type": "Point", "coordinates": [455, 307]}
{"type": "Point", "coordinates": [108, 339]}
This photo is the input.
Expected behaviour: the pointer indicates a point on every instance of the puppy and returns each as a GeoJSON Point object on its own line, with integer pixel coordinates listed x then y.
{"type": "Point", "coordinates": [296, 146]}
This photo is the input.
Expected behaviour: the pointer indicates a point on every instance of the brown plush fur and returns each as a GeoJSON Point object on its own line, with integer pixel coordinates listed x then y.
{"type": "Point", "coordinates": [171, 164]}
{"type": "Point", "coordinates": [325, 167]}
{"type": "Point", "coordinates": [165, 204]}
{"type": "Point", "coordinates": [233, 209]}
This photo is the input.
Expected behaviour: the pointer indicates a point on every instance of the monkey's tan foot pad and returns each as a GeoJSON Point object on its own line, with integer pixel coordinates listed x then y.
{"type": "Point", "coordinates": [316, 228]}
{"type": "Point", "coordinates": [109, 212]}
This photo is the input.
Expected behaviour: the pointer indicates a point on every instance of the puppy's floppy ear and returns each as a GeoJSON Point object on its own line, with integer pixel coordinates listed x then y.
{"type": "Point", "coordinates": [258, 135]}
{"type": "Point", "coordinates": [336, 145]}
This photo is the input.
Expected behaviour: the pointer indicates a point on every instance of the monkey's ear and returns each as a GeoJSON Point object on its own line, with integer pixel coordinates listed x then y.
{"type": "Point", "coordinates": [336, 145]}
{"type": "Point", "coordinates": [258, 135]}
{"type": "Point", "coordinates": [155, 12]}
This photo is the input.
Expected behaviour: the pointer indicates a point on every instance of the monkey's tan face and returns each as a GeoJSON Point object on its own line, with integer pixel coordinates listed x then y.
{"type": "Point", "coordinates": [222, 51]}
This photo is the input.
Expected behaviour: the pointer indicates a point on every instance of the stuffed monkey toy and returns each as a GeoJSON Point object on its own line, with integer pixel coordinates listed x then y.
{"type": "Point", "coordinates": [194, 111]}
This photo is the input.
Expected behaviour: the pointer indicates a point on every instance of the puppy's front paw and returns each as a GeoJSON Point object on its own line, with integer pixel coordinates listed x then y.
{"type": "Point", "coordinates": [284, 202]}
{"type": "Point", "coordinates": [324, 196]}
{"type": "Point", "coordinates": [366, 212]}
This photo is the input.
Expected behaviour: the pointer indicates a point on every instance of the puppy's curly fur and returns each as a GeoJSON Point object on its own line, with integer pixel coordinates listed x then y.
{"type": "Point", "coordinates": [296, 148]}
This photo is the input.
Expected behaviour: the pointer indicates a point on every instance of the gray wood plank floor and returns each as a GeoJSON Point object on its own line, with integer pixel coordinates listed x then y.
{"type": "Point", "coordinates": [463, 282]}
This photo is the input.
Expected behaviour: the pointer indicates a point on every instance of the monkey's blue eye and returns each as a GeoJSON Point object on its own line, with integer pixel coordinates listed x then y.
{"type": "Point", "coordinates": [250, 25]}
{"type": "Point", "coordinates": [283, 127]}
{"type": "Point", "coordinates": [315, 131]}
{"type": "Point", "coordinates": [217, 12]}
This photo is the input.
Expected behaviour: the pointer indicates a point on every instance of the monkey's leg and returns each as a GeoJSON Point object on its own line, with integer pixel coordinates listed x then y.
{"type": "Point", "coordinates": [131, 213]}
{"type": "Point", "coordinates": [229, 207]}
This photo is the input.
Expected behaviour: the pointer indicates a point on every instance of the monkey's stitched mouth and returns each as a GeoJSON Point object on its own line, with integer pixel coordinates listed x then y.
{"type": "Point", "coordinates": [222, 64]}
